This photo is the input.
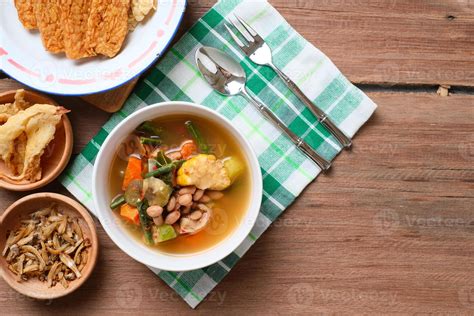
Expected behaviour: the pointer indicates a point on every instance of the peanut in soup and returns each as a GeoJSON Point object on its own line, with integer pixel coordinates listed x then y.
{"type": "Point", "coordinates": [181, 184]}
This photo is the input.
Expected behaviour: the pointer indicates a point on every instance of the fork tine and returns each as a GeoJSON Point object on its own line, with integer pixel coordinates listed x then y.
{"type": "Point", "coordinates": [236, 39]}
{"type": "Point", "coordinates": [247, 27]}
{"type": "Point", "coordinates": [242, 30]}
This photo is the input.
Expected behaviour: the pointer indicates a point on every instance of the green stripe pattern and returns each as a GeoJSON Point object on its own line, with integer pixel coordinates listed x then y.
{"type": "Point", "coordinates": [286, 172]}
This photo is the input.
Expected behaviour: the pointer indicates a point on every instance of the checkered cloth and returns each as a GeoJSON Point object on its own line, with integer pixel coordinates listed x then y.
{"type": "Point", "coordinates": [286, 171]}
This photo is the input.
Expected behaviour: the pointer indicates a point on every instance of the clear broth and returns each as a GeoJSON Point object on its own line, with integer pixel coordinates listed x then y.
{"type": "Point", "coordinates": [228, 212]}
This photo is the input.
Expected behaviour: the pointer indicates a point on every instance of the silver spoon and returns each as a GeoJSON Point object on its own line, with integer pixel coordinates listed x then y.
{"type": "Point", "coordinates": [228, 77]}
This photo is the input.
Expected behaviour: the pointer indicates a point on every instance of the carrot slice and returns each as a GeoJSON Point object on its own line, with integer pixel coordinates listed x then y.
{"type": "Point", "coordinates": [187, 149]}
{"type": "Point", "coordinates": [130, 214]}
{"type": "Point", "coordinates": [133, 171]}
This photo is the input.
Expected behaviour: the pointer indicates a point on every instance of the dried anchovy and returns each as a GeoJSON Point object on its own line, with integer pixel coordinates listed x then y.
{"type": "Point", "coordinates": [50, 246]}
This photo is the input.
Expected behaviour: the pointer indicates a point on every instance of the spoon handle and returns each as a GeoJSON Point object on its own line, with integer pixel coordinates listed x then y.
{"type": "Point", "coordinates": [298, 141]}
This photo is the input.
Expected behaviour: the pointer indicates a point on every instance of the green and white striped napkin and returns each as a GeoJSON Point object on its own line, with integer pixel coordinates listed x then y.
{"type": "Point", "coordinates": [286, 172]}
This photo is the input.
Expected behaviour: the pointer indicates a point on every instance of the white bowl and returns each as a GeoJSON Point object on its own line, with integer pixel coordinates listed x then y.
{"type": "Point", "coordinates": [23, 57]}
{"type": "Point", "coordinates": [133, 247]}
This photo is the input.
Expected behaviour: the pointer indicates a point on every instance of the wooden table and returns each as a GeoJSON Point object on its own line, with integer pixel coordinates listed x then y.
{"type": "Point", "coordinates": [390, 229]}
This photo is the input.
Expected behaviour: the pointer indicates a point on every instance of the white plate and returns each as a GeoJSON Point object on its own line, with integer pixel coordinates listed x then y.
{"type": "Point", "coordinates": [23, 57]}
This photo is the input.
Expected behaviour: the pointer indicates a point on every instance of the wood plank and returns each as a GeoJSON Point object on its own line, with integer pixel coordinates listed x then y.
{"type": "Point", "coordinates": [113, 100]}
{"type": "Point", "coordinates": [389, 229]}
{"type": "Point", "coordinates": [404, 42]}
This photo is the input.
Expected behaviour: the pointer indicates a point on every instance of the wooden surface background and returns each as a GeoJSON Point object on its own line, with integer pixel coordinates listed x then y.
{"type": "Point", "coordinates": [390, 229]}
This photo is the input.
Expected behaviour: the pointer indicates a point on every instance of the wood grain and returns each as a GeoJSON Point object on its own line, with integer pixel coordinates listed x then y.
{"type": "Point", "coordinates": [111, 101]}
{"type": "Point", "coordinates": [389, 42]}
{"type": "Point", "coordinates": [389, 229]}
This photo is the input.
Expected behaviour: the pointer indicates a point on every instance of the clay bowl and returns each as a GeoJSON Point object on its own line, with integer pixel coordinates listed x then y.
{"type": "Point", "coordinates": [56, 155]}
{"type": "Point", "coordinates": [21, 209]}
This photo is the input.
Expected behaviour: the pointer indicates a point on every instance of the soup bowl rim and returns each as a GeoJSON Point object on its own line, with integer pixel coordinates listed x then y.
{"type": "Point", "coordinates": [135, 248]}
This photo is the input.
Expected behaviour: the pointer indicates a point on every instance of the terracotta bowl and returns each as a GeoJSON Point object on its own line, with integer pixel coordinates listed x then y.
{"type": "Point", "coordinates": [56, 155]}
{"type": "Point", "coordinates": [19, 210]}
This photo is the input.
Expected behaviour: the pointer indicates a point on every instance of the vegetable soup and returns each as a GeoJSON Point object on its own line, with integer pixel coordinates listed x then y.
{"type": "Point", "coordinates": [181, 184]}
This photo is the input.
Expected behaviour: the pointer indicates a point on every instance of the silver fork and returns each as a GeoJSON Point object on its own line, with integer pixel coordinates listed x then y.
{"type": "Point", "coordinates": [260, 53]}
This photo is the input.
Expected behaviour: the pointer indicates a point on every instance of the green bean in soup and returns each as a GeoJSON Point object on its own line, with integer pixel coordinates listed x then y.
{"type": "Point", "coordinates": [186, 189]}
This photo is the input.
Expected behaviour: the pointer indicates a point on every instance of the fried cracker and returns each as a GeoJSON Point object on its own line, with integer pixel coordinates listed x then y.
{"type": "Point", "coordinates": [16, 125]}
{"type": "Point", "coordinates": [40, 132]}
{"type": "Point", "coordinates": [26, 13]}
{"type": "Point", "coordinates": [20, 102]}
{"type": "Point", "coordinates": [9, 109]}
{"type": "Point", "coordinates": [75, 14]}
{"type": "Point", "coordinates": [38, 124]}
{"type": "Point", "coordinates": [141, 8]}
{"type": "Point", "coordinates": [132, 23]}
{"type": "Point", "coordinates": [107, 26]}
{"type": "Point", "coordinates": [16, 163]}
{"type": "Point", "coordinates": [6, 111]}
{"type": "Point", "coordinates": [48, 18]}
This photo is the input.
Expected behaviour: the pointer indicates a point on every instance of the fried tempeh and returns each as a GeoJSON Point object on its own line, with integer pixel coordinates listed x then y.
{"type": "Point", "coordinates": [83, 28]}
{"type": "Point", "coordinates": [107, 26]}
{"type": "Point", "coordinates": [48, 18]}
{"type": "Point", "coordinates": [75, 14]}
{"type": "Point", "coordinates": [26, 13]}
